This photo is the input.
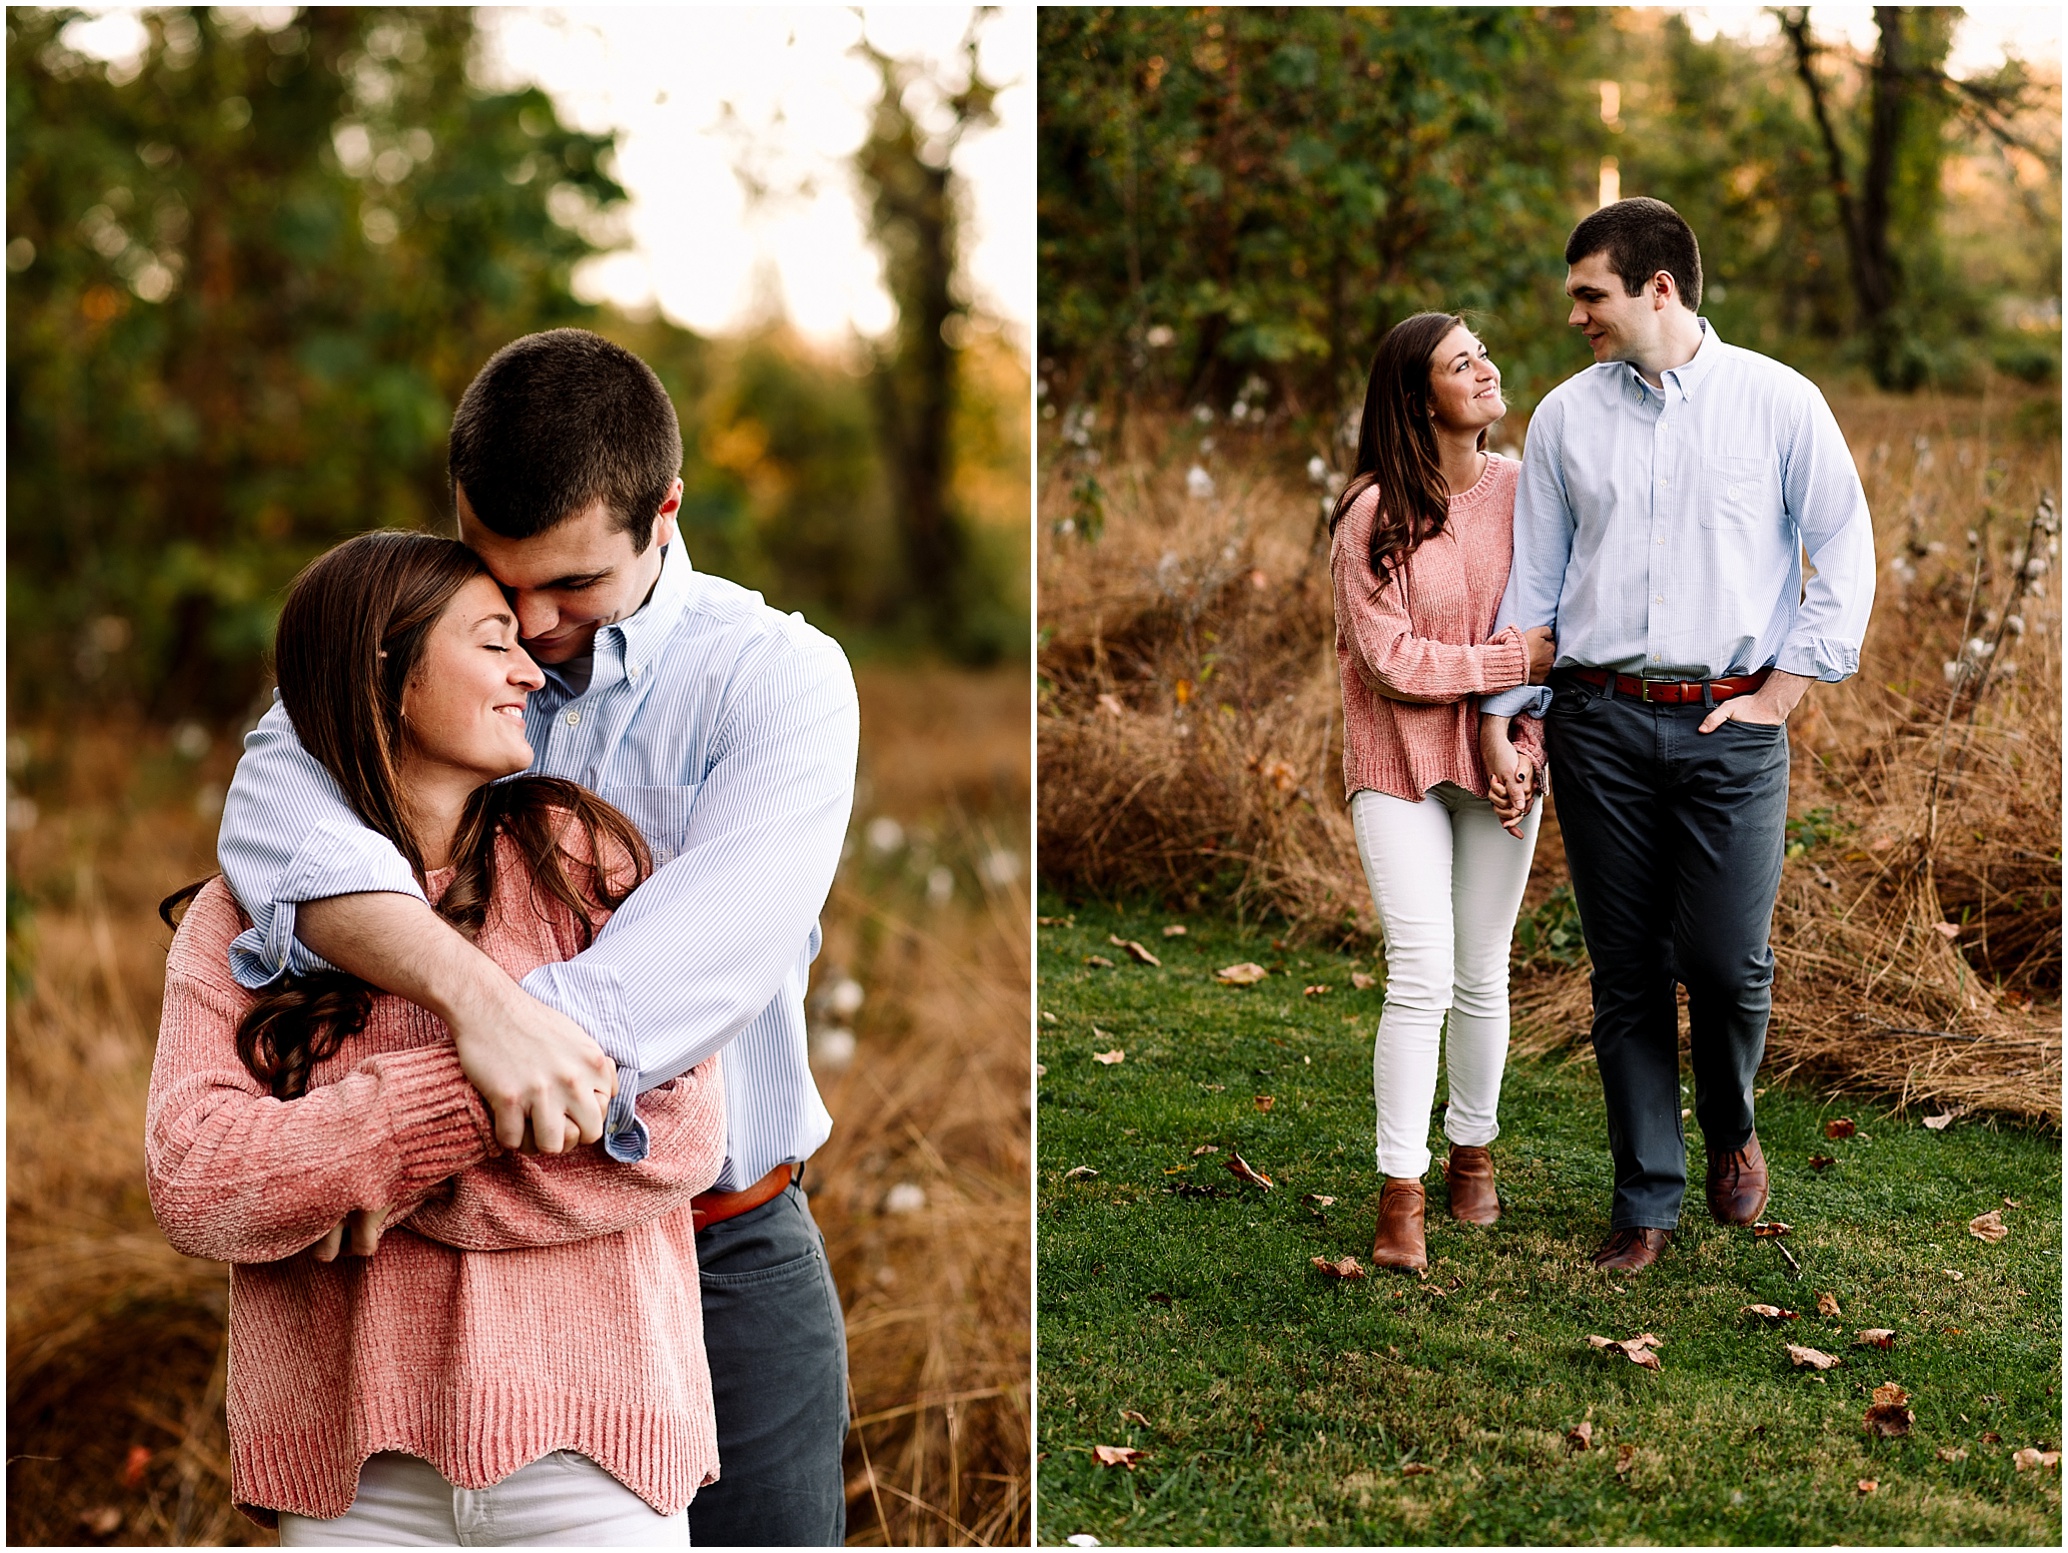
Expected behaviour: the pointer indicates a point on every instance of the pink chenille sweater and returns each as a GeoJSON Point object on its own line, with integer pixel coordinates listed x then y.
{"type": "Point", "coordinates": [522, 1304]}
{"type": "Point", "coordinates": [1415, 653]}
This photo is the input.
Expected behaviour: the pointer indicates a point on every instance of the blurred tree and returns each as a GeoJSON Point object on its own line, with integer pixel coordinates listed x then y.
{"type": "Point", "coordinates": [1228, 192]}
{"type": "Point", "coordinates": [906, 168]}
{"type": "Point", "coordinates": [247, 282]}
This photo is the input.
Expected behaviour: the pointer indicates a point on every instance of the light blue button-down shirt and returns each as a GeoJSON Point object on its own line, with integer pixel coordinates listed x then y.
{"type": "Point", "coordinates": [728, 733]}
{"type": "Point", "coordinates": [1660, 531]}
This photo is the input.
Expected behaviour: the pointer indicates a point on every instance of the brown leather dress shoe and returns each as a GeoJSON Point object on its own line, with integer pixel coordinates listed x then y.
{"type": "Point", "coordinates": [1401, 1241]}
{"type": "Point", "coordinates": [1469, 1173]}
{"type": "Point", "coordinates": [1737, 1184]}
{"type": "Point", "coordinates": [1629, 1250]}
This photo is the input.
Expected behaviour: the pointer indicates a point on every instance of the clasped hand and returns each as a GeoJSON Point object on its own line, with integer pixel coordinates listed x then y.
{"type": "Point", "coordinates": [1512, 777]}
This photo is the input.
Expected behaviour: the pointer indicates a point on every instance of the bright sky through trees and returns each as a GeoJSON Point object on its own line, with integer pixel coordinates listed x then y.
{"type": "Point", "coordinates": [800, 98]}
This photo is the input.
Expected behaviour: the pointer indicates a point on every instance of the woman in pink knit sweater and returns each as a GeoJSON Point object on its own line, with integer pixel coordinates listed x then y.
{"type": "Point", "coordinates": [1422, 537]}
{"type": "Point", "coordinates": [514, 1352]}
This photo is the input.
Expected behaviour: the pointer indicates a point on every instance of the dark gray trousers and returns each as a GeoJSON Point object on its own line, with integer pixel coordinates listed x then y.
{"type": "Point", "coordinates": [1674, 839]}
{"type": "Point", "coordinates": [778, 1351]}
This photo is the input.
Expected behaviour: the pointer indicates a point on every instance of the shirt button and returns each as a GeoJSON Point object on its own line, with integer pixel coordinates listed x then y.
{"type": "Point", "coordinates": [574, 719]}
{"type": "Point", "coordinates": [1655, 657]}
{"type": "Point", "coordinates": [1660, 540]}
{"type": "Point", "coordinates": [1662, 598]}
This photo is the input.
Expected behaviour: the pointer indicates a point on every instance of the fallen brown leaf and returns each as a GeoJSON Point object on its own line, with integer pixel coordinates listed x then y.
{"type": "Point", "coordinates": [2012, 1202]}
{"type": "Point", "coordinates": [1840, 1127]}
{"type": "Point", "coordinates": [102, 1520]}
{"type": "Point", "coordinates": [1770, 1230]}
{"type": "Point", "coordinates": [1821, 1162]}
{"type": "Point", "coordinates": [1079, 1173]}
{"type": "Point", "coordinates": [1812, 1357]}
{"type": "Point", "coordinates": [1946, 929]}
{"type": "Point", "coordinates": [1827, 1305]}
{"type": "Point", "coordinates": [1939, 1123]}
{"type": "Point", "coordinates": [1415, 1469]}
{"type": "Point", "coordinates": [1110, 704]}
{"type": "Point", "coordinates": [1057, 921]}
{"type": "Point", "coordinates": [1240, 1168]}
{"type": "Point", "coordinates": [1991, 1437]}
{"type": "Point", "coordinates": [1318, 1200]}
{"type": "Point", "coordinates": [1346, 1268]}
{"type": "Point", "coordinates": [2029, 1458]}
{"type": "Point", "coordinates": [1110, 1058]}
{"type": "Point", "coordinates": [1206, 1148]}
{"type": "Point", "coordinates": [1318, 990]}
{"type": "Point", "coordinates": [1117, 1456]}
{"type": "Point", "coordinates": [1129, 1415]}
{"type": "Point", "coordinates": [1957, 1277]}
{"type": "Point", "coordinates": [1177, 1170]}
{"type": "Point", "coordinates": [1175, 930]}
{"type": "Point", "coordinates": [1247, 974]}
{"type": "Point", "coordinates": [1890, 1416]}
{"type": "Point", "coordinates": [1580, 1437]}
{"type": "Point", "coordinates": [1099, 960]}
{"type": "Point", "coordinates": [1132, 948]}
{"type": "Point", "coordinates": [1265, 1102]}
{"type": "Point", "coordinates": [1988, 1226]}
{"type": "Point", "coordinates": [1625, 1454]}
{"type": "Point", "coordinates": [1771, 1312]}
{"type": "Point", "coordinates": [1362, 981]}
{"type": "Point", "coordinates": [1953, 1453]}
{"type": "Point", "coordinates": [1876, 1337]}
{"type": "Point", "coordinates": [1868, 1485]}
{"type": "Point", "coordinates": [1638, 1349]}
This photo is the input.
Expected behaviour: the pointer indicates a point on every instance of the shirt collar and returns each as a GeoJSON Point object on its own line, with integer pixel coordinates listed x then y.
{"type": "Point", "coordinates": [1687, 377]}
{"type": "Point", "coordinates": [646, 628]}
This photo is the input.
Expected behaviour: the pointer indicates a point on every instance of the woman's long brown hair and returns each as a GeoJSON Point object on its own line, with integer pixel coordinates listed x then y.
{"type": "Point", "coordinates": [1396, 445]}
{"type": "Point", "coordinates": [351, 634]}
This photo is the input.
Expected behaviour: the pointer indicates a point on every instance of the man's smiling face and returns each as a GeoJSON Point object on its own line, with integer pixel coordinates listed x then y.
{"type": "Point", "coordinates": [1618, 326]}
{"type": "Point", "coordinates": [575, 578]}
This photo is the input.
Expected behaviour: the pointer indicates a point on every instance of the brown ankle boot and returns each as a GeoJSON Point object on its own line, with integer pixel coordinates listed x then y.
{"type": "Point", "coordinates": [1469, 1173]}
{"type": "Point", "coordinates": [1401, 1241]}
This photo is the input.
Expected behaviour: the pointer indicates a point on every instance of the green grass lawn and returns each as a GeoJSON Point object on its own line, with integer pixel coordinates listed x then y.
{"type": "Point", "coordinates": [1282, 1406]}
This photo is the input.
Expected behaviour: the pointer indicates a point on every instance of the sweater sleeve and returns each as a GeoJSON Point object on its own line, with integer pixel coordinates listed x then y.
{"type": "Point", "coordinates": [1388, 655]}
{"type": "Point", "coordinates": [519, 1200]}
{"type": "Point", "coordinates": [238, 1176]}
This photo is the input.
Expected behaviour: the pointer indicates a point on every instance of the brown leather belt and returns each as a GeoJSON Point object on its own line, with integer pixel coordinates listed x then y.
{"type": "Point", "coordinates": [710, 1208]}
{"type": "Point", "coordinates": [1675, 692]}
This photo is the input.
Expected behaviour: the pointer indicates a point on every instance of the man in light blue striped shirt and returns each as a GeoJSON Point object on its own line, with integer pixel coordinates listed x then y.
{"type": "Point", "coordinates": [728, 733]}
{"type": "Point", "coordinates": [1667, 497]}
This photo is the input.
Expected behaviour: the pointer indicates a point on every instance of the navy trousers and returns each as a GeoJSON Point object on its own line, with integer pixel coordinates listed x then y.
{"type": "Point", "coordinates": [778, 1352]}
{"type": "Point", "coordinates": [1674, 839]}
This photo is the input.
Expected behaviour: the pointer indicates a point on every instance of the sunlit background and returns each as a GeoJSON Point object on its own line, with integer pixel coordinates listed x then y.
{"type": "Point", "coordinates": [696, 97]}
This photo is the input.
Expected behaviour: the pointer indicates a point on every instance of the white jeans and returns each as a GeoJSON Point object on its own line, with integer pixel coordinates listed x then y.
{"type": "Point", "coordinates": [560, 1500]}
{"type": "Point", "coordinates": [1447, 881]}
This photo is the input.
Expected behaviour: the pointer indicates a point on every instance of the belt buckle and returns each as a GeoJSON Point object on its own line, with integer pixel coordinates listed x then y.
{"type": "Point", "coordinates": [1644, 692]}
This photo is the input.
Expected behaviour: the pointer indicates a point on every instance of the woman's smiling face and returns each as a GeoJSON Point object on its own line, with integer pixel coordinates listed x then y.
{"type": "Point", "coordinates": [463, 708]}
{"type": "Point", "coordinates": [1464, 383]}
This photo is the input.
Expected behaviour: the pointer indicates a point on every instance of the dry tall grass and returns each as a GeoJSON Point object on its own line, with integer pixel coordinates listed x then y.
{"type": "Point", "coordinates": [1190, 740]}
{"type": "Point", "coordinates": [115, 1342]}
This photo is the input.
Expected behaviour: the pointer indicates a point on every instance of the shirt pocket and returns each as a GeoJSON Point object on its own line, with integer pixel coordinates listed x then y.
{"type": "Point", "coordinates": [1739, 493]}
{"type": "Point", "coordinates": [661, 813]}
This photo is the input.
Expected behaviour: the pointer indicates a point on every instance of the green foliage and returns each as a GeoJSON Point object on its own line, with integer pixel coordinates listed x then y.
{"type": "Point", "coordinates": [1550, 935]}
{"type": "Point", "coordinates": [1180, 1312]}
{"type": "Point", "coordinates": [258, 274]}
{"type": "Point", "coordinates": [1229, 191]}
{"type": "Point", "coordinates": [247, 285]}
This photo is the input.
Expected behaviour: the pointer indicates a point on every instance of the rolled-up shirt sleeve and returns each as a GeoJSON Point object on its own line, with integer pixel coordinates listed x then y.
{"type": "Point", "coordinates": [703, 947]}
{"type": "Point", "coordinates": [1543, 544]}
{"type": "Point", "coordinates": [289, 836]}
{"type": "Point", "coordinates": [1821, 487]}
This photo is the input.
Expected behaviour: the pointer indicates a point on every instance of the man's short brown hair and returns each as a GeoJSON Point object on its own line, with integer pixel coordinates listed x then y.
{"type": "Point", "coordinates": [556, 421]}
{"type": "Point", "coordinates": [1640, 237]}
